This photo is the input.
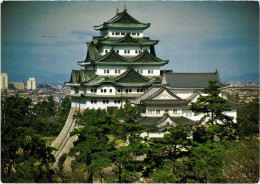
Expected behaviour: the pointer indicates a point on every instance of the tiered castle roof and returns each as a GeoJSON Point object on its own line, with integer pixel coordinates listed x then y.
{"type": "Point", "coordinates": [113, 58]}
{"type": "Point", "coordinates": [128, 78]}
{"type": "Point", "coordinates": [122, 21]}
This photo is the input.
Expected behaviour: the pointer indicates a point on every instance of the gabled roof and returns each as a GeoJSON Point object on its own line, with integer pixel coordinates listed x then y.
{"type": "Point", "coordinates": [190, 80]}
{"type": "Point", "coordinates": [146, 57]}
{"type": "Point", "coordinates": [163, 90]}
{"type": "Point", "coordinates": [159, 123]}
{"type": "Point", "coordinates": [122, 20]}
{"type": "Point", "coordinates": [149, 98]}
{"type": "Point", "coordinates": [92, 54]}
{"type": "Point", "coordinates": [127, 39]}
{"type": "Point", "coordinates": [111, 56]}
{"type": "Point", "coordinates": [131, 76]}
{"type": "Point", "coordinates": [120, 40]}
{"type": "Point", "coordinates": [80, 76]}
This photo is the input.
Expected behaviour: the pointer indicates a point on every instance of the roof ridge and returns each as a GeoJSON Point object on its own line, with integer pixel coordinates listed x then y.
{"type": "Point", "coordinates": [128, 71]}
{"type": "Point", "coordinates": [112, 51]}
{"type": "Point", "coordinates": [145, 52]}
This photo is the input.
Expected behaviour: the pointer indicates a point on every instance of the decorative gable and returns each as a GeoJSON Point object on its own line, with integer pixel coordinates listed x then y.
{"type": "Point", "coordinates": [165, 95]}
{"type": "Point", "coordinates": [165, 123]}
{"type": "Point", "coordinates": [131, 76]}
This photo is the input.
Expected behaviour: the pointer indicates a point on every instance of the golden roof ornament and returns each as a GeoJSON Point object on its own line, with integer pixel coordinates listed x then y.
{"type": "Point", "coordinates": [116, 11]}
{"type": "Point", "coordinates": [125, 9]}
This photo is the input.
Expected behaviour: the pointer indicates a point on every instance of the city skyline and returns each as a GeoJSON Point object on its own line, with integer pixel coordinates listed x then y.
{"type": "Point", "coordinates": [45, 39]}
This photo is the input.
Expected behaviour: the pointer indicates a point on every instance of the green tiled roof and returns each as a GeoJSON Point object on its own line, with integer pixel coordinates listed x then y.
{"type": "Point", "coordinates": [122, 20]}
{"type": "Point", "coordinates": [153, 122]}
{"type": "Point", "coordinates": [79, 76]}
{"type": "Point", "coordinates": [126, 40]}
{"type": "Point", "coordinates": [190, 80]}
{"type": "Point", "coordinates": [92, 54]}
{"type": "Point", "coordinates": [146, 57]}
{"type": "Point", "coordinates": [129, 78]}
{"type": "Point", "coordinates": [113, 58]}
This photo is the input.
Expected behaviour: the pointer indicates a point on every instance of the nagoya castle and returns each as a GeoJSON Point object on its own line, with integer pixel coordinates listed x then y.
{"type": "Point", "coordinates": [121, 66]}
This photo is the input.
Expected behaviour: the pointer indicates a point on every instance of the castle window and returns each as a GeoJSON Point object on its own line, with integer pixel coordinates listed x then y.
{"type": "Point", "coordinates": [105, 90]}
{"type": "Point", "coordinates": [150, 71]}
{"type": "Point", "coordinates": [117, 33]}
{"type": "Point", "coordinates": [106, 51]}
{"type": "Point", "coordinates": [105, 101]}
{"type": "Point", "coordinates": [122, 33]}
{"type": "Point", "coordinates": [93, 101]}
{"type": "Point", "coordinates": [118, 90]}
{"type": "Point", "coordinates": [128, 51]}
{"type": "Point", "coordinates": [116, 101]}
{"type": "Point", "coordinates": [133, 34]}
{"type": "Point", "coordinates": [105, 71]}
{"type": "Point", "coordinates": [137, 34]}
{"type": "Point", "coordinates": [125, 51]}
{"type": "Point", "coordinates": [136, 51]}
{"type": "Point", "coordinates": [117, 51]}
{"type": "Point", "coordinates": [139, 51]}
{"type": "Point", "coordinates": [119, 71]}
{"type": "Point", "coordinates": [115, 71]}
{"type": "Point", "coordinates": [102, 90]}
{"type": "Point", "coordinates": [93, 90]}
{"type": "Point", "coordinates": [110, 90]}
{"type": "Point", "coordinates": [174, 111]}
{"type": "Point", "coordinates": [141, 71]}
{"type": "Point", "coordinates": [158, 111]}
{"type": "Point", "coordinates": [113, 33]}
{"type": "Point", "coordinates": [126, 90]}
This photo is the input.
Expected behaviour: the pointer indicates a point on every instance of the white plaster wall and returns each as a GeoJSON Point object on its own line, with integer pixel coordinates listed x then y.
{"type": "Point", "coordinates": [107, 87]}
{"type": "Point", "coordinates": [110, 31]}
{"type": "Point", "coordinates": [152, 134]}
{"type": "Point", "coordinates": [151, 111]}
{"type": "Point", "coordinates": [121, 49]}
{"type": "Point", "coordinates": [100, 70]}
{"type": "Point", "coordinates": [156, 70]}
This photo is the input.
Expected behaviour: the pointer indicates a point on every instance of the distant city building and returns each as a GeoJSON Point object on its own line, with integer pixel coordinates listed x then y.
{"type": "Point", "coordinates": [4, 81]}
{"type": "Point", "coordinates": [31, 84]}
{"type": "Point", "coordinates": [16, 85]}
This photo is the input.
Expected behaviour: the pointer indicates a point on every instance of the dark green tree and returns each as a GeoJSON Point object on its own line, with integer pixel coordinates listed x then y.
{"type": "Point", "coordinates": [24, 155]}
{"type": "Point", "coordinates": [248, 119]}
{"type": "Point", "coordinates": [211, 104]}
{"type": "Point", "coordinates": [92, 148]}
{"type": "Point", "coordinates": [124, 158]}
{"type": "Point", "coordinates": [205, 162]}
{"type": "Point", "coordinates": [167, 156]}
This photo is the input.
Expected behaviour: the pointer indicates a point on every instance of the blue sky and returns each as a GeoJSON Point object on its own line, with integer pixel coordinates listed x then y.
{"type": "Point", "coordinates": [47, 38]}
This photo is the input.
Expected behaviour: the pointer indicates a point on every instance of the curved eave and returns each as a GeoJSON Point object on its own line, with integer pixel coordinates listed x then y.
{"type": "Point", "coordinates": [119, 44]}
{"type": "Point", "coordinates": [71, 84]}
{"type": "Point", "coordinates": [122, 26]}
{"type": "Point", "coordinates": [131, 63]}
{"type": "Point", "coordinates": [95, 96]}
{"type": "Point", "coordinates": [84, 64]}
